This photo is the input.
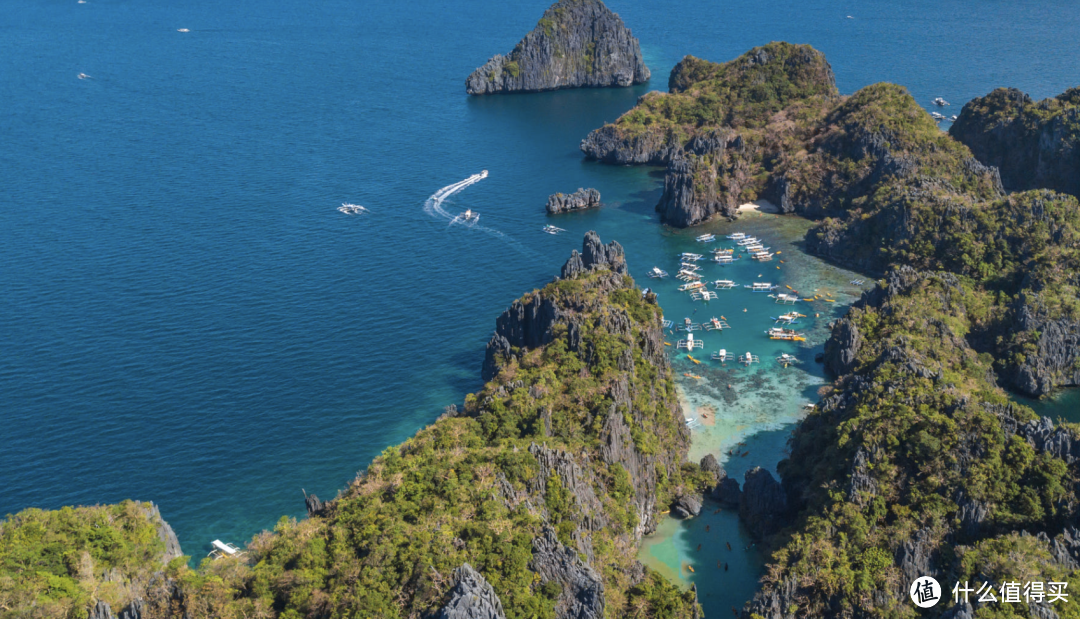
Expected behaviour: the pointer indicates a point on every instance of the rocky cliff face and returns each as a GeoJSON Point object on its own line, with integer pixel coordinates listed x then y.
{"type": "Point", "coordinates": [578, 43]}
{"type": "Point", "coordinates": [471, 597]}
{"type": "Point", "coordinates": [1034, 144]}
{"type": "Point", "coordinates": [577, 201]}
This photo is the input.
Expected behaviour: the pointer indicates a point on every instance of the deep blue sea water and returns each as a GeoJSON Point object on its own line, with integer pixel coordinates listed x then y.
{"type": "Point", "coordinates": [185, 316]}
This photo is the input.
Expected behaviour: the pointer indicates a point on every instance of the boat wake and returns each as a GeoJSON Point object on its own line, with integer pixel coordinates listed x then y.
{"type": "Point", "coordinates": [434, 206]}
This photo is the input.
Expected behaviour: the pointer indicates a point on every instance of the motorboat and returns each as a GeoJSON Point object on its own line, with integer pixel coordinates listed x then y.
{"type": "Point", "coordinates": [748, 358]}
{"type": "Point", "coordinates": [737, 236]}
{"type": "Point", "coordinates": [553, 230]}
{"type": "Point", "coordinates": [469, 215]}
{"type": "Point", "coordinates": [779, 333]}
{"type": "Point", "coordinates": [689, 343]}
{"type": "Point", "coordinates": [724, 284]}
{"type": "Point", "coordinates": [787, 359]}
{"type": "Point", "coordinates": [941, 102]}
{"type": "Point", "coordinates": [748, 241]}
{"type": "Point", "coordinates": [722, 355]}
{"type": "Point", "coordinates": [703, 295]}
{"type": "Point", "coordinates": [352, 209]}
{"type": "Point", "coordinates": [716, 324]}
{"type": "Point", "coordinates": [690, 257]}
{"type": "Point", "coordinates": [785, 298]}
{"type": "Point", "coordinates": [706, 238]}
{"type": "Point", "coordinates": [724, 259]}
{"type": "Point", "coordinates": [760, 287]}
{"type": "Point", "coordinates": [658, 273]}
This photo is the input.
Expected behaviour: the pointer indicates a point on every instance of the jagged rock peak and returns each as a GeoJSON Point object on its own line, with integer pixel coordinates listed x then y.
{"type": "Point", "coordinates": [579, 200]}
{"type": "Point", "coordinates": [165, 534]}
{"type": "Point", "coordinates": [471, 597]}
{"type": "Point", "coordinates": [577, 43]}
{"type": "Point", "coordinates": [595, 255]}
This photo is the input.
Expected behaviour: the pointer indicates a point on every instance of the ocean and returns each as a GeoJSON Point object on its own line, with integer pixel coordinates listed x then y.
{"type": "Point", "coordinates": [188, 319]}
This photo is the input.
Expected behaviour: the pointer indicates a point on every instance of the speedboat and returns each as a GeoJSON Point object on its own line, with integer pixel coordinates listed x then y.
{"type": "Point", "coordinates": [352, 209]}
{"type": "Point", "coordinates": [657, 273]}
{"type": "Point", "coordinates": [553, 230]}
{"type": "Point", "coordinates": [787, 359]}
{"type": "Point", "coordinates": [940, 102]}
{"type": "Point", "coordinates": [469, 215]}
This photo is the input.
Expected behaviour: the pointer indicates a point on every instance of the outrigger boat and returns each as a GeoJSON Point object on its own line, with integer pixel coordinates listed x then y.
{"type": "Point", "coordinates": [664, 322]}
{"type": "Point", "coordinates": [789, 318]}
{"type": "Point", "coordinates": [691, 286]}
{"type": "Point", "coordinates": [719, 251]}
{"type": "Point", "coordinates": [689, 343]}
{"type": "Point", "coordinates": [689, 326]}
{"type": "Point", "coordinates": [658, 273]}
{"type": "Point", "coordinates": [706, 238]}
{"type": "Point", "coordinates": [687, 276]}
{"type": "Point", "coordinates": [724, 284]}
{"type": "Point", "coordinates": [747, 359]}
{"type": "Point", "coordinates": [857, 282]}
{"type": "Point", "coordinates": [553, 230]}
{"type": "Point", "coordinates": [722, 355]}
{"type": "Point", "coordinates": [748, 241]}
{"type": "Point", "coordinates": [787, 359]}
{"type": "Point", "coordinates": [760, 287]}
{"type": "Point", "coordinates": [779, 333]}
{"type": "Point", "coordinates": [222, 550]}
{"type": "Point", "coordinates": [703, 295]}
{"type": "Point", "coordinates": [716, 324]}
{"type": "Point", "coordinates": [785, 298]}
{"type": "Point", "coordinates": [762, 257]}
{"type": "Point", "coordinates": [724, 259]}
{"type": "Point", "coordinates": [689, 266]}
{"type": "Point", "coordinates": [689, 256]}
{"type": "Point", "coordinates": [737, 236]}
{"type": "Point", "coordinates": [755, 247]}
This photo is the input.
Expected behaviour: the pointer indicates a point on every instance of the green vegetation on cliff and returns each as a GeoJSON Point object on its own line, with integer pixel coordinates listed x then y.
{"type": "Point", "coordinates": [543, 483]}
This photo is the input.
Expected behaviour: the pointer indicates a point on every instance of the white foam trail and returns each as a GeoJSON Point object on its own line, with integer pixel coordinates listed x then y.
{"type": "Point", "coordinates": [434, 206]}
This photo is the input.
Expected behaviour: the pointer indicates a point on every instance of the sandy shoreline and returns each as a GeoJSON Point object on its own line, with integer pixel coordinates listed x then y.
{"type": "Point", "coordinates": [759, 206]}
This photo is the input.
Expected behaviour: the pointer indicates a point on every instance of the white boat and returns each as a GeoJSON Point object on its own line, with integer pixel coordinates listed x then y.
{"type": "Point", "coordinates": [689, 343]}
{"type": "Point", "coordinates": [785, 298]}
{"type": "Point", "coordinates": [689, 326]}
{"type": "Point", "coordinates": [779, 333]}
{"type": "Point", "coordinates": [737, 236]}
{"type": "Point", "coordinates": [469, 215]}
{"type": "Point", "coordinates": [755, 247]}
{"type": "Point", "coordinates": [721, 355]}
{"type": "Point", "coordinates": [748, 358]}
{"type": "Point", "coordinates": [687, 276]}
{"type": "Point", "coordinates": [724, 259]}
{"type": "Point", "coordinates": [352, 209]}
{"type": "Point", "coordinates": [706, 238]}
{"type": "Point", "coordinates": [553, 230]}
{"type": "Point", "coordinates": [724, 284]}
{"type": "Point", "coordinates": [691, 286]}
{"type": "Point", "coordinates": [748, 241]}
{"type": "Point", "coordinates": [787, 359]}
{"type": "Point", "coordinates": [690, 257]}
{"type": "Point", "coordinates": [953, 118]}
{"type": "Point", "coordinates": [941, 102]}
{"type": "Point", "coordinates": [688, 266]}
{"type": "Point", "coordinates": [789, 318]}
{"type": "Point", "coordinates": [664, 322]}
{"type": "Point", "coordinates": [221, 550]}
{"type": "Point", "coordinates": [657, 272]}
{"type": "Point", "coordinates": [703, 295]}
{"type": "Point", "coordinates": [716, 325]}
{"type": "Point", "coordinates": [766, 257]}
{"type": "Point", "coordinates": [721, 251]}
{"type": "Point", "coordinates": [760, 287]}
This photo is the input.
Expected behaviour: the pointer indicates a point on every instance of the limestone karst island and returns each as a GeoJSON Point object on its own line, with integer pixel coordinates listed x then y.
{"type": "Point", "coordinates": [815, 354]}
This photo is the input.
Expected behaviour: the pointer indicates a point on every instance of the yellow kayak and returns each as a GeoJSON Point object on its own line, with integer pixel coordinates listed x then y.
{"type": "Point", "coordinates": [692, 359]}
{"type": "Point", "coordinates": [667, 343]}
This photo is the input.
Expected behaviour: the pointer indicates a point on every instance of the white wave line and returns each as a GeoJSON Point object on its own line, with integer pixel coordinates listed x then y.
{"type": "Point", "coordinates": [434, 206]}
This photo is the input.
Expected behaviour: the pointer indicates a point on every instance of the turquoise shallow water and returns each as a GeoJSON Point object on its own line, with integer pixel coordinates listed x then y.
{"type": "Point", "coordinates": [186, 317]}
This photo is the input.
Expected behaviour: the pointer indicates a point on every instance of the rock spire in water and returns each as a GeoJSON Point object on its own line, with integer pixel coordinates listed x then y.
{"type": "Point", "coordinates": [577, 43]}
